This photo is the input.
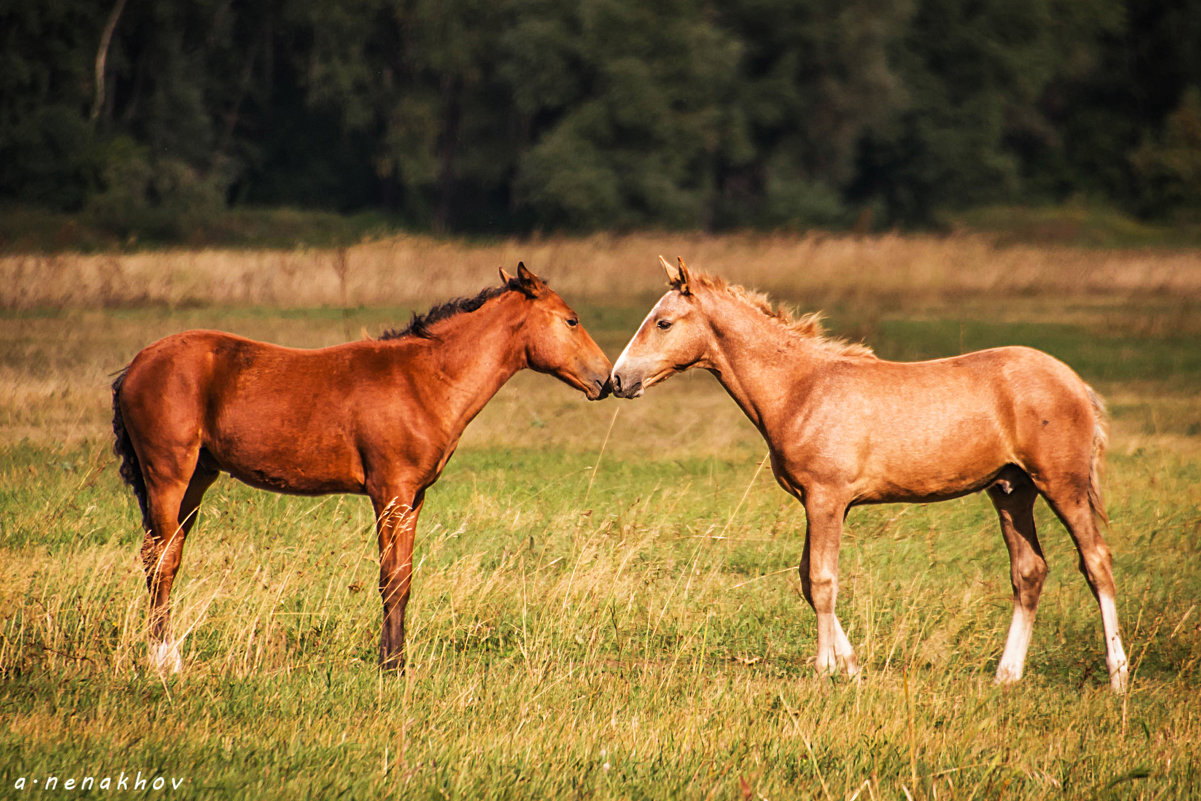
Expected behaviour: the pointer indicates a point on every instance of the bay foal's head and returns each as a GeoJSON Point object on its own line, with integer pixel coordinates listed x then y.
{"type": "Point", "coordinates": [672, 338]}
{"type": "Point", "coordinates": [556, 343]}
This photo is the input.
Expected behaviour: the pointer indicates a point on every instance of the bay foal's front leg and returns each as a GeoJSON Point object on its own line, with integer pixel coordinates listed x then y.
{"type": "Point", "coordinates": [396, 525]}
{"type": "Point", "coordinates": [819, 581]}
{"type": "Point", "coordinates": [172, 508]}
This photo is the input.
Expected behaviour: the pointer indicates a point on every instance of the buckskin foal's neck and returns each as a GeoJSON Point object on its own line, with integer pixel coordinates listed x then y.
{"type": "Point", "coordinates": [758, 357]}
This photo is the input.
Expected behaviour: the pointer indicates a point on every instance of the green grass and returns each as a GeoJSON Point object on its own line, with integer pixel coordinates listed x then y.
{"type": "Point", "coordinates": [635, 631]}
{"type": "Point", "coordinates": [26, 229]}
{"type": "Point", "coordinates": [1076, 223]}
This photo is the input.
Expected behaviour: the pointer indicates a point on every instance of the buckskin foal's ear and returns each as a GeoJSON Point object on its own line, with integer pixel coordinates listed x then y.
{"type": "Point", "coordinates": [677, 277]}
{"type": "Point", "coordinates": [529, 283]}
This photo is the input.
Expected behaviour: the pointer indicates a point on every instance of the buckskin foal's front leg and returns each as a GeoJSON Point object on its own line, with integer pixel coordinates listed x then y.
{"type": "Point", "coordinates": [396, 512]}
{"type": "Point", "coordinates": [824, 511]}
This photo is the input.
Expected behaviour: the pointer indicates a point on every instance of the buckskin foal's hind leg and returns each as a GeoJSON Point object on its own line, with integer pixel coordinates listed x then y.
{"type": "Point", "coordinates": [173, 506]}
{"type": "Point", "coordinates": [1069, 499]}
{"type": "Point", "coordinates": [396, 514]}
{"type": "Point", "coordinates": [819, 581]}
{"type": "Point", "coordinates": [1014, 499]}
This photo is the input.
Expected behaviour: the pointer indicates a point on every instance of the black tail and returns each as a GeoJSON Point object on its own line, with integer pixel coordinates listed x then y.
{"type": "Point", "coordinates": [131, 471]}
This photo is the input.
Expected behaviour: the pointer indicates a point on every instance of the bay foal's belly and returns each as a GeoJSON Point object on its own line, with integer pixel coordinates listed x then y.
{"type": "Point", "coordinates": [297, 459]}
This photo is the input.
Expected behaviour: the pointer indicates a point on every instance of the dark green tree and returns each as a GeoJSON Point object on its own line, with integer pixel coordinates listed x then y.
{"type": "Point", "coordinates": [150, 118]}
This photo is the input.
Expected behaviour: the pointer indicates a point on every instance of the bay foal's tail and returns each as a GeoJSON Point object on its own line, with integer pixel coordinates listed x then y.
{"type": "Point", "coordinates": [1097, 464]}
{"type": "Point", "coordinates": [131, 471]}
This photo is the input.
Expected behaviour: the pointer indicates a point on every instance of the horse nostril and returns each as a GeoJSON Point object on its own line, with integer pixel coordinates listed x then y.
{"type": "Point", "coordinates": [616, 382]}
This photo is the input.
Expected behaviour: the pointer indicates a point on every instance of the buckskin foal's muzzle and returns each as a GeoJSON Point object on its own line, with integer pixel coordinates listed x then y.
{"type": "Point", "coordinates": [623, 388]}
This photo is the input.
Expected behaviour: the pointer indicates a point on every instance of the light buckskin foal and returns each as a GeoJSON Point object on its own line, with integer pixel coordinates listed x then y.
{"type": "Point", "coordinates": [845, 428]}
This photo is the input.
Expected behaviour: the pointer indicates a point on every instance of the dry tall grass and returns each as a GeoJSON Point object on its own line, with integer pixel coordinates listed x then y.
{"type": "Point", "coordinates": [407, 269]}
{"type": "Point", "coordinates": [613, 624]}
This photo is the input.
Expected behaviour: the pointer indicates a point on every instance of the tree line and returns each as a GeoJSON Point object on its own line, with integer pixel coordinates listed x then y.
{"type": "Point", "coordinates": [461, 115]}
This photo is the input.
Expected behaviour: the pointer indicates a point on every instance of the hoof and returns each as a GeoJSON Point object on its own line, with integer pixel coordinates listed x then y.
{"type": "Point", "coordinates": [1119, 677]}
{"type": "Point", "coordinates": [850, 666]}
{"type": "Point", "coordinates": [838, 667]}
{"type": "Point", "coordinates": [1007, 674]}
{"type": "Point", "coordinates": [827, 668]}
{"type": "Point", "coordinates": [392, 664]}
{"type": "Point", "coordinates": [165, 658]}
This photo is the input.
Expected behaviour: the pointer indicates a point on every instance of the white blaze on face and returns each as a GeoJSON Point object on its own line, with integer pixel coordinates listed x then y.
{"type": "Point", "coordinates": [624, 363]}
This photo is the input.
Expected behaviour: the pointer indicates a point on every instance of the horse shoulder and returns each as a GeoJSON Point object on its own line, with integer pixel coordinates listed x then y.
{"type": "Point", "coordinates": [396, 411]}
{"type": "Point", "coordinates": [813, 437]}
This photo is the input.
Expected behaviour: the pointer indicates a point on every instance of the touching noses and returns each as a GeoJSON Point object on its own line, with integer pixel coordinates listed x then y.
{"type": "Point", "coordinates": [623, 387]}
{"type": "Point", "coordinates": [598, 380]}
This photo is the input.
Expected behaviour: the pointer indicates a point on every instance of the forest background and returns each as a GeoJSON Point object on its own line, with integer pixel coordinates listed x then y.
{"type": "Point", "coordinates": [183, 122]}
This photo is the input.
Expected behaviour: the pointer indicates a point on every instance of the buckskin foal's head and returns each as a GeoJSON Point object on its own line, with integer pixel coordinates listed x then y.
{"type": "Point", "coordinates": [672, 338]}
{"type": "Point", "coordinates": [679, 331]}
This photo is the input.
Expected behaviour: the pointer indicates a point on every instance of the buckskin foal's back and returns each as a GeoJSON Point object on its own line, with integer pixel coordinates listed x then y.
{"type": "Point", "coordinates": [845, 428]}
{"type": "Point", "coordinates": [378, 417]}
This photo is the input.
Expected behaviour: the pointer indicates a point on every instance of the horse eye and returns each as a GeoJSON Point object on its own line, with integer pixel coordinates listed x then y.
{"type": "Point", "coordinates": [573, 322]}
{"type": "Point", "coordinates": [664, 324]}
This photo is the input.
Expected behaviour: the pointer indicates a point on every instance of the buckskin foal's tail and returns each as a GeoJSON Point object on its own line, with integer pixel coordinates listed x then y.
{"type": "Point", "coordinates": [1100, 440]}
{"type": "Point", "coordinates": [131, 471]}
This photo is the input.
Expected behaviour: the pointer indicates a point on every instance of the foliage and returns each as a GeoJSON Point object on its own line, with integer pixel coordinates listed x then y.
{"type": "Point", "coordinates": [1169, 167]}
{"type": "Point", "coordinates": [158, 198]}
{"type": "Point", "coordinates": [529, 114]}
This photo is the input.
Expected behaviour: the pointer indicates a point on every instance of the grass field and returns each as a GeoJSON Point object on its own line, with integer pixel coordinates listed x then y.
{"type": "Point", "coordinates": [623, 623]}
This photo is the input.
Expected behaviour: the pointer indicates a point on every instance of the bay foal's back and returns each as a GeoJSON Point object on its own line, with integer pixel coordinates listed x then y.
{"type": "Point", "coordinates": [378, 417]}
{"type": "Point", "coordinates": [844, 428]}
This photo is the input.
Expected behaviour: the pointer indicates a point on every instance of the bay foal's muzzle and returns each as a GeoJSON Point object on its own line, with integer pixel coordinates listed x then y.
{"type": "Point", "coordinates": [594, 381]}
{"type": "Point", "coordinates": [589, 373]}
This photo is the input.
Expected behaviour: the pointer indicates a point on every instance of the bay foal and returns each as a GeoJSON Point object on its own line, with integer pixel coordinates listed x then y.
{"type": "Point", "coordinates": [378, 417]}
{"type": "Point", "coordinates": [844, 428]}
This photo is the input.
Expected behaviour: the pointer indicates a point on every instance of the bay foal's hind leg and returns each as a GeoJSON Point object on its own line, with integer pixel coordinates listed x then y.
{"type": "Point", "coordinates": [1069, 499]}
{"type": "Point", "coordinates": [819, 582]}
{"type": "Point", "coordinates": [1014, 501]}
{"type": "Point", "coordinates": [396, 525]}
{"type": "Point", "coordinates": [172, 509]}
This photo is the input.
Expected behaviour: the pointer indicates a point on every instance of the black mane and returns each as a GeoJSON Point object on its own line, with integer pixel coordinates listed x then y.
{"type": "Point", "coordinates": [419, 326]}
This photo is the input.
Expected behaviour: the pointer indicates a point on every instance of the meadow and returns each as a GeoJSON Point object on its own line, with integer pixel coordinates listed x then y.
{"type": "Point", "coordinates": [605, 603]}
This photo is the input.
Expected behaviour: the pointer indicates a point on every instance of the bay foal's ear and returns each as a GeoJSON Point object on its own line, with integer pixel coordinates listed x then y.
{"type": "Point", "coordinates": [677, 277]}
{"type": "Point", "coordinates": [505, 278]}
{"type": "Point", "coordinates": [529, 283]}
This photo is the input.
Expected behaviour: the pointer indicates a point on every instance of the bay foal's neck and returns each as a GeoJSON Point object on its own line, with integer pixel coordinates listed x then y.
{"type": "Point", "coordinates": [471, 357]}
{"type": "Point", "coordinates": [756, 359]}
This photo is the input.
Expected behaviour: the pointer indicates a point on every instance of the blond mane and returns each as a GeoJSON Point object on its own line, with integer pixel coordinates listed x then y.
{"type": "Point", "coordinates": [806, 326]}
